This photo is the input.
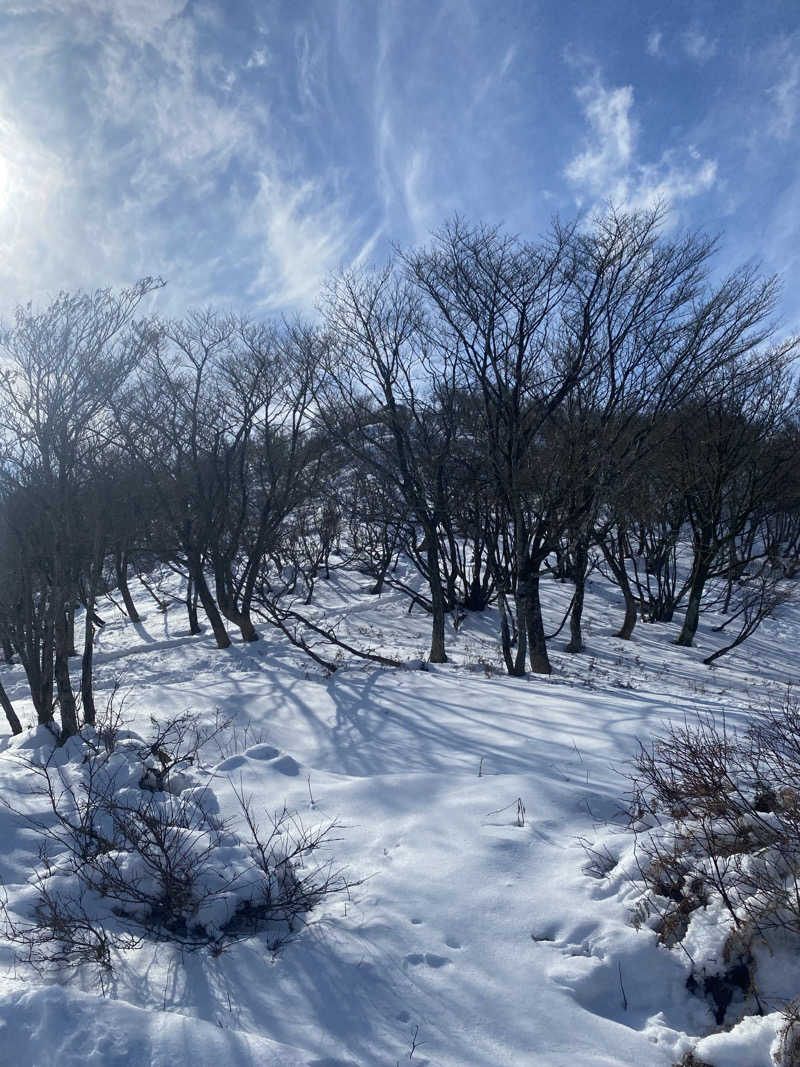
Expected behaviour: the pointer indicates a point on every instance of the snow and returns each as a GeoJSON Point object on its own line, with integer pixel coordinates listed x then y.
{"type": "Point", "coordinates": [474, 935]}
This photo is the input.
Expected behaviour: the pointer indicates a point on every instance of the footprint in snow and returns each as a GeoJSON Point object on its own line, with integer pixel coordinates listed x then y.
{"type": "Point", "coordinates": [452, 942]}
{"type": "Point", "coordinates": [263, 752]}
{"type": "Point", "coordinates": [232, 763]}
{"type": "Point", "coordinates": [288, 766]}
{"type": "Point", "coordinates": [581, 942]}
{"type": "Point", "coordinates": [432, 960]}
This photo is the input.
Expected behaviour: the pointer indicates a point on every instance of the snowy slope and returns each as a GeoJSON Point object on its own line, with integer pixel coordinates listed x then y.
{"type": "Point", "coordinates": [474, 937]}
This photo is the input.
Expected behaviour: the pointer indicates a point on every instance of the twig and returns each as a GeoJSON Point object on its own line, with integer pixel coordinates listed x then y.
{"type": "Point", "coordinates": [622, 987]}
{"type": "Point", "coordinates": [414, 1043]}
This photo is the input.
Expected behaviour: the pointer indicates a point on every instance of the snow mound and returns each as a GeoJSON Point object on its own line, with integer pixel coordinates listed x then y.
{"type": "Point", "coordinates": [73, 1029]}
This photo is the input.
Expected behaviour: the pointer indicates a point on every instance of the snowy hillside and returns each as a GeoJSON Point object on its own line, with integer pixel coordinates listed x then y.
{"type": "Point", "coordinates": [473, 932]}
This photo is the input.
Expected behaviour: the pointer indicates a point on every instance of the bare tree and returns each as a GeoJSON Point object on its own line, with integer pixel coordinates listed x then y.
{"type": "Point", "coordinates": [64, 366]}
{"type": "Point", "coordinates": [385, 398]}
{"type": "Point", "coordinates": [722, 467]}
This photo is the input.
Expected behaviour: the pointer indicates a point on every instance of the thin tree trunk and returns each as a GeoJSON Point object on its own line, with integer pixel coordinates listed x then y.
{"type": "Point", "coordinates": [239, 616]}
{"type": "Point", "coordinates": [249, 588]}
{"type": "Point", "coordinates": [478, 595]}
{"type": "Point", "coordinates": [8, 708]}
{"type": "Point", "coordinates": [191, 607]}
{"type": "Point", "coordinates": [702, 566]}
{"type": "Point", "coordinates": [36, 655]}
{"type": "Point", "coordinates": [87, 692]}
{"type": "Point", "coordinates": [210, 607]}
{"type": "Point", "coordinates": [621, 575]}
{"type": "Point", "coordinates": [580, 566]}
{"type": "Point", "coordinates": [377, 588]}
{"type": "Point", "coordinates": [437, 654]}
{"type": "Point", "coordinates": [246, 628]}
{"type": "Point", "coordinates": [540, 663]}
{"type": "Point", "coordinates": [515, 664]}
{"type": "Point", "coordinates": [8, 650]}
{"type": "Point", "coordinates": [70, 613]}
{"type": "Point", "coordinates": [66, 697]}
{"type": "Point", "coordinates": [121, 567]}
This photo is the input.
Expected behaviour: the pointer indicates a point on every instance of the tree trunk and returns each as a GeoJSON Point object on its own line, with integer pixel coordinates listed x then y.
{"type": "Point", "coordinates": [35, 648]}
{"type": "Point", "coordinates": [87, 692]}
{"type": "Point", "coordinates": [70, 613]}
{"type": "Point", "coordinates": [631, 614]}
{"type": "Point", "coordinates": [8, 650]}
{"type": "Point", "coordinates": [478, 593]}
{"type": "Point", "coordinates": [8, 708]}
{"type": "Point", "coordinates": [580, 565]}
{"type": "Point", "coordinates": [515, 664]}
{"type": "Point", "coordinates": [246, 628]}
{"type": "Point", "coordinates": [191, 607]}
{"type": "Point", "coordinates": [377, 588]}
{"type": "Point", "coordinates": [66, 697]}
{"type": "Point", "coordinates": [665, 610]}
{"type": "Point", "coordinates": [702, 566]}
{"type": "Point", "coordinates": [239, 616]}
{"type": "Point", "coordinates": [621, 575]}
{"type": "Point", "coordinates": [209, 607]}
{"type": "Point", "coordinates": [540, 663]}
{"type": "Point", "coordinates": [121, 567]}
{"type": "Point", "coordinates": [437, 654]}
{"type": "Point", "coordinates": [249, 588]}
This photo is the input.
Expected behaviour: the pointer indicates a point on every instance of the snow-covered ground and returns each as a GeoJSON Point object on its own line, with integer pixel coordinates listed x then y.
{"type": "Point", "coordinates": [474, 935]}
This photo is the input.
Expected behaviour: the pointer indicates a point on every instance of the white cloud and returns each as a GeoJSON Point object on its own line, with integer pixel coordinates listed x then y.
{"type": "Point", "coordinates": [418, 203]}
{"type": "Point", "coordinates": [608, 170]}
{"type": "Point", "coordinates": [508, 59]}
{"type": "Point", "coordinates": [603, 165]}
{"type": "Point", "coordinates": [493, 78]}
{"type": "Point", "coordinates": [258, 59]}
{"type": "Point", "coordinates": [654, 40]}
{"type": "Point", "coordinates": [699, 46]}
{"type": "Point", "coordinates": [785, 96]}
{"type": "Point", "coordinates": [32, 179]}
{"type": "Point", "coordinates": [302, 237]}
{"type": "Point", "coordinates": [400, 153]}
{"type": "Point", "coordinates": [156, 160]}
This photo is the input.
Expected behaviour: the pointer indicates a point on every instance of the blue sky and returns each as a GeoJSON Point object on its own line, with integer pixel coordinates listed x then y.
{"type": "Point", "coordinates": [244, 150]}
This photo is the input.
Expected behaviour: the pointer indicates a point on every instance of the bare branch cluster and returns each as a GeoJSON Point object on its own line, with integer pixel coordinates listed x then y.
{"type": "Point", "coordinates": [716, 816]}
{"type": "Point", "coordinates": [133, 849]}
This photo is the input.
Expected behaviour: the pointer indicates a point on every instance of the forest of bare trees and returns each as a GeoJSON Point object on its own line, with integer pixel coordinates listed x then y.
{"type": "Point", "coordinates": [491, 409]}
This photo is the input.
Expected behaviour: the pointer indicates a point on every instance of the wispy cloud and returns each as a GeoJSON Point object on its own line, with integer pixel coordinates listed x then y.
{"type": "Point", "coordinates": [244, 149]}
{"type": "Point", "coordinates": [257, 59]}
{"type": "Point", "coordinates": [153, 159]}
{"type": "Point", "coordinates": [698, 45]}
{"type": "Point", "coordinates": [494, 77]}
{"type": "Point", "coordinates": [603, 166]}
{"type": "Point", "coordinates": [608, 168]}
{"type": "Point", "coordinates": [654, 40]}
{"type": "Point", "coordinates": [784, 94]}
{"type": "Point", "coordinates": [303, 236]}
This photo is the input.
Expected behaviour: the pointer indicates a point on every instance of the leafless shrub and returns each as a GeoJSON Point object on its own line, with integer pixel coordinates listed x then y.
{"type": "Point", "coordinates": [232, 738]}
{"type": "Point", "coordinates": [718, 812]}
{"type": "Point", "coordinates": [716, 816]}
{"type": "Point", "coordinates": [789, 1053]}
{"type": "Point", "coordinates": [134, 849]}
{"type": "Point", "coordinates": [600, 861]}
{"type": "Point", "coordinates": [757, 597]}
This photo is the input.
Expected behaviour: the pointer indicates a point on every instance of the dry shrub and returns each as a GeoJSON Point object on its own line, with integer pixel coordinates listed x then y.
{"type": "Point", "coordinates": [715, 812]}
{"type": "Point", "coordinates": [133, 848]}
